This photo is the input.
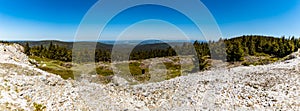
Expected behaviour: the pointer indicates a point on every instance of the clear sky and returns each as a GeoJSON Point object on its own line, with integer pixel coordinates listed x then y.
{"type": "Point", "coordinates": [59, 19]}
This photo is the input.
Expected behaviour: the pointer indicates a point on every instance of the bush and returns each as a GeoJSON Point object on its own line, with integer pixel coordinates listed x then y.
{"type": "Point", "coordinates": [246, 63]}
{"type": "Point", "coordinates": [38, 107]}
{"type": "Point", "coordinates": [174, 70]}
{"type": "Point", "coordinates": [172, 66]}
{"type": "Point", "coordinates": [136, 70]}
{"type": "Point", "coordinates": [173, 73]}
{"type": "Point", "coordinates": [104, 71]}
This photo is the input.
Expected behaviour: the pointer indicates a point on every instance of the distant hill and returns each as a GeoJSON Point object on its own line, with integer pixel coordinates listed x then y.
{"type": "Point", "coordinates": [145, 42]}
{"type": "Point", "coordinates": [68, 45]}
{"type": "Point", "coordinates": [108, 45]}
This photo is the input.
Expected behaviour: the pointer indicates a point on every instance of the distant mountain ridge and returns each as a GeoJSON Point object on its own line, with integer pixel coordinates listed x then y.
{"type": "Point", "coordinates": [108, 45]}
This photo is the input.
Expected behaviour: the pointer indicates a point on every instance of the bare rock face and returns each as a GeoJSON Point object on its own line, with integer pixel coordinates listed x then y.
{"type": "Point", "coordinates": [267, 87]}
{"type": "Point", "coordinates": [24, 87]}
{"type": "Point", "coordinates": [13, 53]}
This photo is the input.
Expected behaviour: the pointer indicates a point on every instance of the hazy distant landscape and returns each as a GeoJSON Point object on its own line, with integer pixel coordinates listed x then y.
{"type": "Point", "coordinates": [154, 73]}
{"type": "Point", "coordinates": [56, 56]}
{"type": "Point", "coordinates": [149, 55]}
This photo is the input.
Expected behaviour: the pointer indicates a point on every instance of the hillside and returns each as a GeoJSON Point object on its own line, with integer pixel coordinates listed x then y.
{"type": "Point", "coordinates": [148, 45]}
{"type": "Point", "coordinates": [67, 45]}
{"type": "Point", "coordinates": [264, 87]}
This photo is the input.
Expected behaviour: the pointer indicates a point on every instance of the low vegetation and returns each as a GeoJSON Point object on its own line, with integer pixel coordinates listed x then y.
{"type": "Point", "coordinates": [39, 107]}
{"type": "Point", "coordinates": [4, 42]}
{"type": "Point", "coordinates": [174, 70]}
{"type": "Point", "coordinates": [53, 66]}
{"type": "Point", "coordinates": [244, 49]}
{"type": "Point", "coordinates": [104, 71]}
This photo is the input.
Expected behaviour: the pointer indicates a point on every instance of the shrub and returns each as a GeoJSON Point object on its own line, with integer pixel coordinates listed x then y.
{"type": "Point", "coordinates": [104, 71]}
{"type": "Point", "coordinates": [136, 70]}
{"type": "Point", "coordinates": [246, 63]}
{"type": "Point", "coordinates": [38, 107]}
{"type": "Point", "coordinates": [172, 66]}
{"type": "Point", "coordinates": [174, 70]}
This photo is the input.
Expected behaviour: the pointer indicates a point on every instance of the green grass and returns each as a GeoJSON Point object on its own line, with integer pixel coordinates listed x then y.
{"type": "Point", "coordinates": [139, 74]}
{"type": "Point", "coordinates": [174, 70]}
{"type": "Point", "coordinates": [267, 60]}
{"type": "Point", "coordinates": [135, 70]}
{"type": "Point", "coordinates": [104, 74]}
{"type": "Point", "coordinates": [172, 66]}
{"type": "Point", "coordinates": [103, 71]}
{"type": "Point", "coordinates": [39, 59]}
{"type": "Point", "coordinates": [54, 66]}
{"type": "Point", "coordinates": [260, 54]}
{"type": "Point", "coordinates": [65, 74]}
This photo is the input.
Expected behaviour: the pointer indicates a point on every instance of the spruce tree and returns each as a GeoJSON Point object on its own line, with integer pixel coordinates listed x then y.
{"type": "Point", "coordinates": [27, 49]}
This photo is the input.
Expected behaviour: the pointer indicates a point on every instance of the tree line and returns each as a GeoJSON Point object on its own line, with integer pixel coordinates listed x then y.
{"type": "Point", "coordinates": [235, 49]}
{"type": "Point", "coordinates": [55, 52]}
{"type": "Point", "coordinates": [238, 48]}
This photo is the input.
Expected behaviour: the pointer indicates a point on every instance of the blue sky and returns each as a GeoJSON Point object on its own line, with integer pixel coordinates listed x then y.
{"type": "Point", "coordinates": [59, 19]}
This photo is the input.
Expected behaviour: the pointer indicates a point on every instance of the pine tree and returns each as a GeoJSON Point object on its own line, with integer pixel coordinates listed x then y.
{"type": "Point", "coordinates": [235, 52]}
{"type": "Point", "coordinates": [251, 46]}
{"type": "Point", "coordinates": [27, 49]}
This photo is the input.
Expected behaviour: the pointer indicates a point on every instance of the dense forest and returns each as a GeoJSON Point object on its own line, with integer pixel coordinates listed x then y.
{"type": "Point", "coordinates": [55, 52]}
{"type": "Point", "coordinates": [236, 49]}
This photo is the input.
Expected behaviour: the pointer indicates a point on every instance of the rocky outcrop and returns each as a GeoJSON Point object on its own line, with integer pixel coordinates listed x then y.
{"type": "Point", "coordinates": [268, 87]}
{"type": "Point", "coordinates": [13, 53]}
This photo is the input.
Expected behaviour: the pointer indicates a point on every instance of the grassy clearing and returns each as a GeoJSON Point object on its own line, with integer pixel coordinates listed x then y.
{"type": "Point", "coordinates": [54, 66]}
{"type": "Point", "coordinates": [261, 59]}
{"type": "Point", "coordinates": [134, 69]}
{"type": "Point", "coordinates": [140, 71]}
{"type": "Point", "coordinates": [65, 74]}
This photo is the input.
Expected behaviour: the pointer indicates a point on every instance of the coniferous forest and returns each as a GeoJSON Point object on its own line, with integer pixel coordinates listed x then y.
{"type": "Point", "coordinates": [236, 49]}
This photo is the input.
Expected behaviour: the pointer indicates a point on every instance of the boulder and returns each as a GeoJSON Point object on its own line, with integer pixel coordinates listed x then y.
{"type": "Point", "coordinates": [119, 81]}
